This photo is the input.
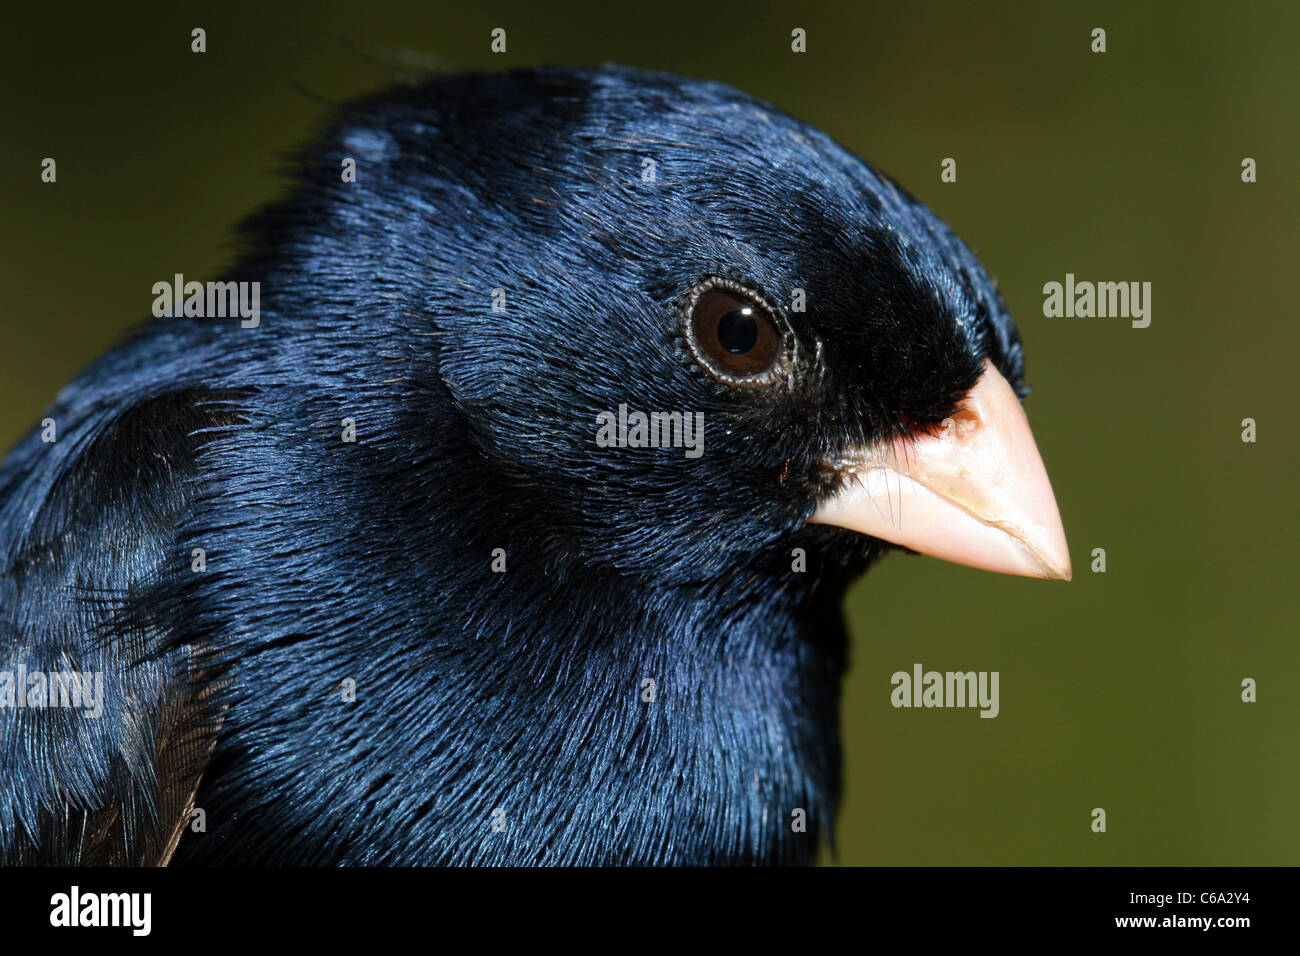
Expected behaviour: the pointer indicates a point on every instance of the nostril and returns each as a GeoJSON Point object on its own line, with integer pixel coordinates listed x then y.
{"type": "Point", "coordinates": [962, 422]}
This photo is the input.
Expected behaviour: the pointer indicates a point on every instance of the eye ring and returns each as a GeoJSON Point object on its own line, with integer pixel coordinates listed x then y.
{"type": "Point", "coordinates": [735, 334]}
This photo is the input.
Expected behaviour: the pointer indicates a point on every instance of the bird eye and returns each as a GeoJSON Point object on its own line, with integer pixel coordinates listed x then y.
{"type": "Point", "coordinates": [734, 335]}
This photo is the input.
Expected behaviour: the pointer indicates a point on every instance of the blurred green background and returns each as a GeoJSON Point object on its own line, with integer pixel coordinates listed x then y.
{"type": "Point", "coordinates": [1120, 690]}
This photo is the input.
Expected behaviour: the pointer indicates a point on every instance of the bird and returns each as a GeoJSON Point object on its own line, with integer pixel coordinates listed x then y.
{"type": "Point", "coordinates": [360, 579]}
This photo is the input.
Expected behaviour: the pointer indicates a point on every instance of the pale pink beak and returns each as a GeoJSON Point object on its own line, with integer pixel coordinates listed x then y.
{"type": "Point", "coordinates": [976, 493]}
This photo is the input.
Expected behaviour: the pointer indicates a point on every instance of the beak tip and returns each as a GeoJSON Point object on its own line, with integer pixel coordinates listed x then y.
{"type": "Point", "coordinates": [1053, 555]}
{"type": "Point", "coordinates": [1054, 551]}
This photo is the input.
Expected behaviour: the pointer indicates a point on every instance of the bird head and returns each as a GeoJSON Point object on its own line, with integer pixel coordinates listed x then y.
{"type": "Point", "coordinates": [572, 254]}
{"type": "Point", "coordinates": [596, 245]}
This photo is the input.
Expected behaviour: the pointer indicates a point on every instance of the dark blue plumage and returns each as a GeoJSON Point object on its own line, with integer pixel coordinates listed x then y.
{"type": "Point", "coordinates": [326, 561]}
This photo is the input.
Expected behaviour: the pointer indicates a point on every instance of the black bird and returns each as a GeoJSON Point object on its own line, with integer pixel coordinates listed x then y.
{"type": "Point", "coordinates": [512, 621]}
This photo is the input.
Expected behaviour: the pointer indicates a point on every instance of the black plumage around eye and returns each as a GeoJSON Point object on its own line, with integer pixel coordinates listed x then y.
{"type": "Point", "coordinates": [734, 335]}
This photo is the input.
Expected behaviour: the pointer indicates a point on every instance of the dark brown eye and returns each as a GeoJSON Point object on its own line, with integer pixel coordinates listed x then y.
{"type": "Point", "coordinates": [734, 336]}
